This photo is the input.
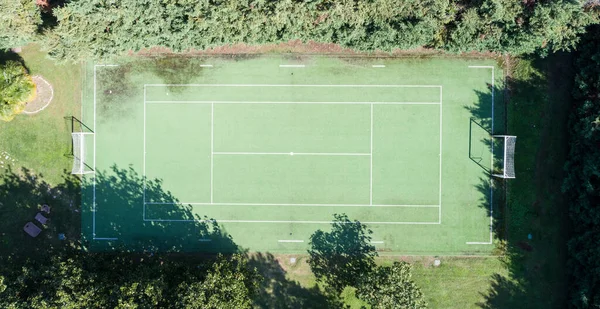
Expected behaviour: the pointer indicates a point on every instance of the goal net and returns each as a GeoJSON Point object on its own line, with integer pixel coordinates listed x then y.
{"type": "Point", "coordinates": [506, 168]}
{"type": "Point", "coordinates": [81, 158]}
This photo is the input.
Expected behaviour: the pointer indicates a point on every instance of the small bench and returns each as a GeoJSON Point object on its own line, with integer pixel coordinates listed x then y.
{"type": "Point", "coordinates": [32, 229]}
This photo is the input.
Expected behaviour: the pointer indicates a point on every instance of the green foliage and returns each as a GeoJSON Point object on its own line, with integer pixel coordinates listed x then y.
{"type": "Point", "coordinates": [2, 286]}
{"type": "Point", "coordinates": [16, 89]}
{"type": "Point", "coordinates": [339, 258]}
{"type": "Point", "coordinates": [230, 283]}
{"type": "Point", "coordinates": [582, 184]}
{"type": "Point", "coordinates": [19, 22]}
{"type": "Point", "coordinates": [391, 287]}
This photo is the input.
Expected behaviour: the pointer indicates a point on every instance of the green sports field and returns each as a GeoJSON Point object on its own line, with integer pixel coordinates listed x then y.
{"type": "Point", "coordinates": [196, 154]}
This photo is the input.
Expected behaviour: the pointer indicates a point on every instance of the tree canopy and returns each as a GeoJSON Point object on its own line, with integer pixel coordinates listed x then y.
{"type": "Point", "coordinates": [16, 89]}
{"type": "Point", "coordinates": [338, 258]}
{"type": "Point", "coordinates": [19, 22]}
{"type": "Point", "coordinates": [391, 287]}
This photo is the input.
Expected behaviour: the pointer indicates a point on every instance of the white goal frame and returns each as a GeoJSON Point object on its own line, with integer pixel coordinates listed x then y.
{"type": "Point", "coordinates": [508, 158]}
{"type": "Point", "coordinates": [79, 165]}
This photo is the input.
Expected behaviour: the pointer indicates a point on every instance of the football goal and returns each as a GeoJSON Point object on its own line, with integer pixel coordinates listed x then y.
{"type": "Point", "coordinates": [507, 161]}
{"type": "Point", "coordinates": [79, 134]}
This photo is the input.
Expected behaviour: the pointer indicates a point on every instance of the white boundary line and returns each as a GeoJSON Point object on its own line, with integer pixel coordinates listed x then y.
{"type": "Point", "coordinates": [206, 65]}
{"type": "Point", "coordinates": [292, 153]}
{"type": "Point", "coordinates": [294, 85]}
{"type": "Point", "coordinates": [212, 147]}
{"type": "Point", "coordinates": [301, 222]}
{"type": "Point", "coordinates": [293, 204]}
{"type": "Point", "coordinates": [376, 241]}
{"type": "Point", "coordinates": [491, 163]}
{"type": "Point", "coordinates": [144, 160]}
{"type": "Point", "coordinates": [378, 66]}
{"type": "Point", "coordinates": [371, 162]}
{"type": "Point", "coordinates": [290, 240]}
{"type": "Point", "coordinates": [291, 65]}
{"type": "Point", "coordinates": [293, 102]}
{"type": "Point", "coordinates": [40, 78]}
{"type": "Point", "coordinates": [441, 152]}
{"type": "Point", "coordinates": [94, 208]}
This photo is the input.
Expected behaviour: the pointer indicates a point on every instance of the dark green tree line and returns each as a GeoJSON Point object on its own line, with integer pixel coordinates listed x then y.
{"type": "Point", "coordinates": [582, 184]}
{"type": "Point", "coordinates": [105, 28]}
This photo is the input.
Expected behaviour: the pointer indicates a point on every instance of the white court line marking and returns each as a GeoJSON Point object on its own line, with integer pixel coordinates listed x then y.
{"type": "Point", "coordinates": [212, 147]}
{"type": "Point", "coordinates": [378, 66]}
{"type": "Point", "coordinates": [371, 162]}
{"type": "Point", "coordinates": [491, 163]}
{"type": "Point", "coordinates": [303, 205]}
{"type": "Point", "coordinates": [291, 102]}
{"type": "Point", "coordinates": [206, 65]}
{"type": "Point", "coordinates": [293, 153]}
{"type": "Point", "coordinates": [144, 158]}
{"type": "Point", "coordinates": [94, 162]}
{"type": "Point", "coordinates": [377, 242]}
{"type": "Point", "coordinates": [294, 85]}
{"type": "Point", "coordinates": [273, 221]}
{"type": "Point", "coordinates": [290, 240]}
{"type": "Point", "coordinates": [291, 65]}
{"type": "Point", "coordinates": [441, 134]}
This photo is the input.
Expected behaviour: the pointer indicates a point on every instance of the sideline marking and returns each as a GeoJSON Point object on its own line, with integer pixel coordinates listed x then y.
{"type": "Point", "coordinates": [491, 241]}
{"type": "Point", "coordinates": [294, 85]}
{"type": "Point", "coordinates": [378, 66]}
{"type": "Point", "coordinates": [206, 65]}
{"type": "Point", "coordinates": [377, 241]}
{"type": "Point", "coordinates": [304, 205]}
{"type": "Point", "coordinates": [441, 152]}
{"type": "Point", "coordinates": [293, 153]}
{"type": "Point", "coordinates": [290, 240]}
{"type": "Point", "coordinates": [371, 162]}
{"type": "Point", "coordinates": [291, 102]}
{"type": "Point", "coordinates": [212, 147]}
{"type": "Point", "coordinates": [273, 221]}
{"type": "Point", "coordinates": [291, 65]}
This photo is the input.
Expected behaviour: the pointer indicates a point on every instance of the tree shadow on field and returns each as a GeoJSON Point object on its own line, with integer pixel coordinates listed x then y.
{"type": "Point", "coordinates": [121, 214]}
{"type": "Point", "coordinates": [536, 276]}
{"type": "Point", "coordinates": [277, 291]}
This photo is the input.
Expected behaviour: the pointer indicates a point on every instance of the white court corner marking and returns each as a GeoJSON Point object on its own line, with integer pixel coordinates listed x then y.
{"type": "Point", "coordinates": [491, 241]}
{"type": "Point", "coordinates": [94, 209]}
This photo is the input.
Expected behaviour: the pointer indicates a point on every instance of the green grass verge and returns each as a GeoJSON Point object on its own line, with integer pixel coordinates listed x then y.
{"type": "Point", "coordinates": [41, 141]}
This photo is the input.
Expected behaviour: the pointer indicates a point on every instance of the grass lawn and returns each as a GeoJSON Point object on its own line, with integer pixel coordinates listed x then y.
{"type": "Point", "coordinates": [38, 144]}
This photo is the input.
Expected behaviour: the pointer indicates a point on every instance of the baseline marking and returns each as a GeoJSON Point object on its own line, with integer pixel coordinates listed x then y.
{"type": "Point", "coordinates": [378, 66]}
{"type": "Point", "coordinates": [292, 102]}
{"type": "Point", "coordinates": [273, 221]}
{"type": "Point", "coordinates": [294, 85]}
{"type": "Point", "coordinates": [303, 205]}
{"type": "Point", "coordinates": [290, 240]}
{"type": "Point", "coordinates": [377, 241]}
{"type": "Point", "coordinates": [293, 153]}
{"type": "Point", "coordinates": [491, 163]}
{"type": "Point", "coordinates": [206, 65]}
{"type": "Point", "coordinates": [291, 65]}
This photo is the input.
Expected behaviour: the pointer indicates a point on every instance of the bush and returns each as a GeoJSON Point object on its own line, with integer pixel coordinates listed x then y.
{"type": "Point", "coordinates": [16, 89]}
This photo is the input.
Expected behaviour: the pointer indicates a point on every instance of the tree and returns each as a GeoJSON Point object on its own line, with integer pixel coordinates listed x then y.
{"type": "Point", "coordinates": [19, 22]}
{"type": "Point", "coordinates": [16, 89]}
{"type": "Point", "coordinates": [391, 287]}
{"type": "Point", "coordinates": [339, 258]}
{"type": "Point", "coordinates": [229, 284]}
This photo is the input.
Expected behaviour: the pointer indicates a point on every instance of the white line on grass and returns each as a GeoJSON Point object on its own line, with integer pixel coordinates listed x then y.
{"type": "Point", "coordinates": [144, 158]}
{"type": "Point", "coordinates": [291, 102]}
{"type": "Point", "coordinates": [290, 240]}
{"type": "Point", "coordinates": [274, 221]}
{"type": "Point", "coordinates": [377, 242]}
{"type": "Point", "coordinates": [302, 205]}
{"type": "Point", "coordinates": [371, 162]}
{"type": "Point", "coordinates": [291, 65]}
{"type": "Point", "coordinates": [206, 65]}
{"type": "Point", "coordinates": [378, 66]}
{"type": "Point", "coordinates": [94, 162]}
{"type": "Point", "coordinates": [440, 172]}
{"type": "Point", "coordinates": [292, 153]}
{"type": "Point", "coordinates": [294, 85]}
{"type": "Point", "coordinates": [491, 163]}
{"type": "Point", "coordinates": [212, 148]}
